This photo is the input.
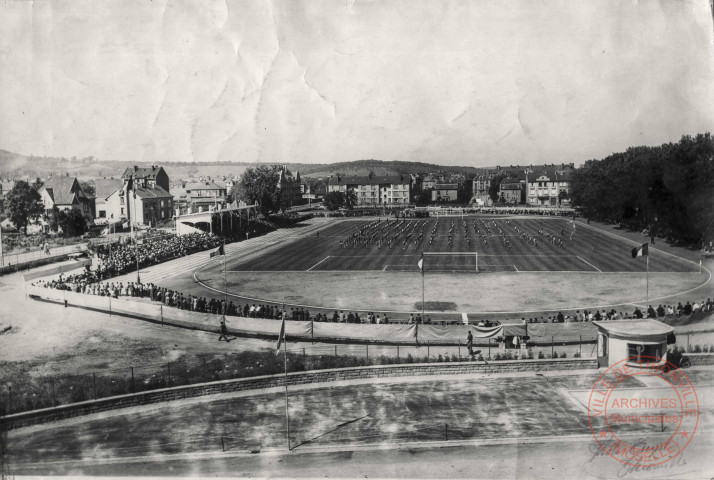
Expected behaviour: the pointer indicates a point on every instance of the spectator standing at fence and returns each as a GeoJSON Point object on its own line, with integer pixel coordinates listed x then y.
{"type": "Point", "coordinates": [470, 343]}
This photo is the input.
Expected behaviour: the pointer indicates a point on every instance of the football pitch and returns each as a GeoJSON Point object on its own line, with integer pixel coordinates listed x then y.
{"type": "Point", "coordinates": [456, 244]}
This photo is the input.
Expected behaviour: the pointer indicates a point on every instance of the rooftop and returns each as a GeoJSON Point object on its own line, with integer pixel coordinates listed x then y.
{"type": "Point", "coordinates": [368, 180]}
{"type": "Point", "coordinates": [103, 187]}
{"type": "Point", "coordinates": [635, 328]}
{"type": "Point", "coordinates": [203, 186]}
{"type": "Point", "coordinates": [141, 172]}
{"type": "Point", "coordinates": [155, 192]}
{"type": "Point", "coordinates": [59, 189]}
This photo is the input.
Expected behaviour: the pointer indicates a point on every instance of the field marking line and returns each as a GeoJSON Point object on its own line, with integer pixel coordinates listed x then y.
{"type": "Point", "coordinates": [318, 263]}
{"type": "Point", "coordinates": [633, 242]}
{"type": "Point", "coordinates": [511, 255]}
{"type": "Point", "coordinates": [581, 258]}
{"type": "Point", "coordinates": [364, 256]}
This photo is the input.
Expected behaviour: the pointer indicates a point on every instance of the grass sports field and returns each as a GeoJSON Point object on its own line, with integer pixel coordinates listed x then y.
{"type": "Point", "coordinates": [503, 245]}
{"type": "Point", "coordinates": [344, 265]}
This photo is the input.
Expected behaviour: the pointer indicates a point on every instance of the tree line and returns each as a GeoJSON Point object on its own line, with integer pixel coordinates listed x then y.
{"type": "Point", "coordinates": [668, 189]}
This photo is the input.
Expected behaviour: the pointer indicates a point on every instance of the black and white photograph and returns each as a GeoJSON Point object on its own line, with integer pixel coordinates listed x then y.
{"type": "Point", "coordinates": [399, 239]}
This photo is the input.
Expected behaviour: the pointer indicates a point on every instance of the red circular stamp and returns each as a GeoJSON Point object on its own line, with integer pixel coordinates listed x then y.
{"type": "Point", "coordinates": [643, 411]}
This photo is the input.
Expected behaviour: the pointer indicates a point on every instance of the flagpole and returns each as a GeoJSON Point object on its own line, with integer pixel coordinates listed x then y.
{"type": "Point", "coordinates": [287, 405]}
{"type": "Point", "coordinates": [225, 283]}
{"type": "Point", "coordinates": [132, 216]}
{"type": "Point", "coordinates": [648, 280]}
{"type": "Point", "coordinates": [422, 288]}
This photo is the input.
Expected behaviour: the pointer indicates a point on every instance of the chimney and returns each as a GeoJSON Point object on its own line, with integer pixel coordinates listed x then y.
{"type": "Point", "coordinates": [136, 168]}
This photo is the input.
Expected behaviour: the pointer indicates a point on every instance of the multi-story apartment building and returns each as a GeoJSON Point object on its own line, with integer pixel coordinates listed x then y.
{"type": "Point", "coordinates": [374, 190]}
{"type": "Point", "coordinates": [544, 187]}
{"type": "Point", "coordinates": [482, 181]}
{"type": "Point", "coordinates": [512, 191]}
{"type": "Point", "coordinates": [289, 186]}
{"type": "Point", "coordinates": [481, 185]}
{"type": "Point", "coordinates": [144, 197]}
{"type": "Point", "coordinates": [444, 192]}
{"type": "Point", "coordinates": [204, 196]}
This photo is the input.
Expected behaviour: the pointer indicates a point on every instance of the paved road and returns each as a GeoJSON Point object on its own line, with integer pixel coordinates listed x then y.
{"type": "Point", "coordinates": [553, 458]}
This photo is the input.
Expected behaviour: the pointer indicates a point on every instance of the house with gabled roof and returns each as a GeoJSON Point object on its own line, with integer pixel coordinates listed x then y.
{"type": "Point", "coordinates": [65, 193]}
{"type": "Point", "coordinates": [103, 189]}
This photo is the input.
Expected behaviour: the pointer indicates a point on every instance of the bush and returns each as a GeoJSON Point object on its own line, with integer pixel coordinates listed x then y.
{"type": "Point", "coordinates": [409, 359]}
{"type": "Point", "coordinates": [439, 358]}
{"type": "Point", "coordinates": [455, 358]}
{"type": "Point", "coordinates": [541, 356]}
{"type": "Point", "coordinates": [480, 358]}
{"type": "Point", "coordinates": [697, 349]}
{"type": "Point", "coordinates": [530, 354]}
{"type": "Point", "coordinates": [577, 355]}
{"type": "Point", "coordinates": [563, 355]}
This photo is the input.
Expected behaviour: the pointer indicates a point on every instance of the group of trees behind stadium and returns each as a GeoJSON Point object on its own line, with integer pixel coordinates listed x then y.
{"type": "Point", "coordinates": [668, 188]}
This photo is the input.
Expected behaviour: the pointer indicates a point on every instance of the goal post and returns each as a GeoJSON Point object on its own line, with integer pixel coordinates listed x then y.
{"type": "Point", "coordinates": [451, 261]}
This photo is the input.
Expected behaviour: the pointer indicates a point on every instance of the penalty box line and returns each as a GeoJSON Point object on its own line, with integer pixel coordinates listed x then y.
{"type": "Point", "coordinates": [318, 263]}
{"type": "Point", "coordinates": [588, 263]}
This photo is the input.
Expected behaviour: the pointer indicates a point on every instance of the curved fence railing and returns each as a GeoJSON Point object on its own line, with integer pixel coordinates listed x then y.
{"type": "Point", "coordinates": [318, 331]}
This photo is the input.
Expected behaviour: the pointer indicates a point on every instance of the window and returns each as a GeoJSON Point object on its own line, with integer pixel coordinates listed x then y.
{"type": "Point", "coordinates": [636, 350]}
{"type": "Point", "coordinates": [122, 211]}
{"type": "Point", "coordinates": [102, 213]}
{"type": "Point", "coordinates": [162, 203]}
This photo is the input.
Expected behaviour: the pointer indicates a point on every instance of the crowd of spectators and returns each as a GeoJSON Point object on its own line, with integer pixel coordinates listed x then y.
{"type": "Point", "coordinates": [678, 310]}
{"type": "Point", "coordinates": [662, 311]}
{"type": "Point", "coordinates": [117, 260]}
{"type": "Point", "coordinates": [88, 283]}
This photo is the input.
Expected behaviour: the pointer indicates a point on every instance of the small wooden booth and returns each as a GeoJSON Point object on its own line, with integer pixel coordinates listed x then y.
{"type": "Point", "coordinates": [621, 339]}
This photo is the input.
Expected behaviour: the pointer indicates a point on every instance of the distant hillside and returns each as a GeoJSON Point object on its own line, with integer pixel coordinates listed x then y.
{"type": "Point", "coordinates": [15, 165]}
{"type": "Point", "coordinates": [379, 167]}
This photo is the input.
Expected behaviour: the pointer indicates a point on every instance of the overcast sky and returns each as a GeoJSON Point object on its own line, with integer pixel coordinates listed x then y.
{"type": "Point", "coordinates": [454, 82]}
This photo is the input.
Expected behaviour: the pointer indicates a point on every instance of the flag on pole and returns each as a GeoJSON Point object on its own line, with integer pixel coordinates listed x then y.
{"type": "Point", "coordinates": [281, 337]}
{"type": "Point", "coordinates": [218, 251]}
{"type": "Point", "coordinates": [420, 263]}
{"type": "Point", "coordinates": [641, 251]}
